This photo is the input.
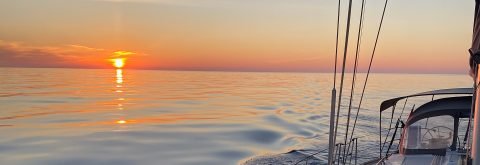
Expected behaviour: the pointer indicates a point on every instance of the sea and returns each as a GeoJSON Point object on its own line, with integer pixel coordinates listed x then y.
{"type": "Point", "coordinates": [150, 117]}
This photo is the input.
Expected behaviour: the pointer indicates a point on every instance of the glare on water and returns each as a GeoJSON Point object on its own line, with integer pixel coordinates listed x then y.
{"type": "Point", "coordinates": [81, 116]}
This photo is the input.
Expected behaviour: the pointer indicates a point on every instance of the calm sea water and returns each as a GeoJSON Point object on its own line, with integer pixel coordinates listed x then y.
{"type": "Point", "coordinates": [117, 117]}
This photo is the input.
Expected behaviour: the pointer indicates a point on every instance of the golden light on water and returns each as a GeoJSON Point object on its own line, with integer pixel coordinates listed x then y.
{"type": "Point", "coordinates": [118, 61]}
{"type": "Point", "coordinates": [119, 76]}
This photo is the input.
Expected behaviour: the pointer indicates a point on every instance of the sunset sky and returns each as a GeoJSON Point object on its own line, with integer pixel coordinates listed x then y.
{"type": "Point", "coordinates": [419, 36]}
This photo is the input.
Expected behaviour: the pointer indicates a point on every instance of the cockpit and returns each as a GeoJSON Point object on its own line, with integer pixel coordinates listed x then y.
{"type": "Point", "coordinates": [436, 132]}
{"type": "Point", "coordinates": [433, 128]}
{"type": "Point", "coordinates": [430, 133]}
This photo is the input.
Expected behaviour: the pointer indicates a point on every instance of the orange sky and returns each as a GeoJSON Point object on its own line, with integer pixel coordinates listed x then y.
{"type": "Point", "coordinates": [431, 36]}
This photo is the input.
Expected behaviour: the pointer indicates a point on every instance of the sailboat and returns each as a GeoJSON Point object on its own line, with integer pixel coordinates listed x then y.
{"type": "Point", "coordinates": [441, 131]}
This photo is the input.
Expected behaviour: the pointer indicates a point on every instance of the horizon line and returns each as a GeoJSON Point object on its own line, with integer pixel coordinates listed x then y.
{"type": "Point", "coordinates": [235, 70]}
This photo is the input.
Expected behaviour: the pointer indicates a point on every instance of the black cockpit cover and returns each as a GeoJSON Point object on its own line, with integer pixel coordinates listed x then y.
{"type": "Point", "coordinates": [454, 106]}
{"type": "Point", "coordinates": [389, 103]}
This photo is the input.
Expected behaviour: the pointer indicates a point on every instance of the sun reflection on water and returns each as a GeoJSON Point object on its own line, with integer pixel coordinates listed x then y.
{"type": "Point", "coordinates": [120, 121]}
{"type": "Point", "coordinates": [119, 76]}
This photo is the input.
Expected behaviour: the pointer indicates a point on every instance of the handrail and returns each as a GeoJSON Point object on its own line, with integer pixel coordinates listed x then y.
{"type": "Point", "coordinates": [382, 161]}
{"type": "Point", "coordinates": [393, 136]}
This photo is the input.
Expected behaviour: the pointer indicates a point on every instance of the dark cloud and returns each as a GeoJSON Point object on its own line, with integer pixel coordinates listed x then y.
{"type": "Point", "coordinates": [30, 58]}
{"type": "Point", "coordinates": [18, 55]}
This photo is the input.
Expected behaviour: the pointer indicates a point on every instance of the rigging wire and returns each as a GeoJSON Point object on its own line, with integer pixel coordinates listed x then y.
{"type": "Point", "coordinates": [391, 121]}
{"type": "Point", "coordinates": [389, 127]}
{"type": "Point", "coordinates": [369, 67]}
{"type": "Point", "coordinates": [343, 67]}
{"type": "Point", "coordinates": [356, 61]}
{"type": "Point", "coordinates": [331, 139]}
{"type": "Point", "coordinates": [403, 109]}
{"type": "Point", "coordinates": [355, 67]}
{"type": "Point", "coordinates": [336, 46]}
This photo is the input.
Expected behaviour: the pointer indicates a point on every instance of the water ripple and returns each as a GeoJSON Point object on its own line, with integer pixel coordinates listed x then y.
{"type": "Point", "coordinates": [89, 116]}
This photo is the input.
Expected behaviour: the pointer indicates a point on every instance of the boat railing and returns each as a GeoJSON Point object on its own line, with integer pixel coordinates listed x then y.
{"type": "Point", "coordinates": [394, 139]}
{"type": "Point", "coordinates": [382, 161]}
{"type": "Point", "coordinates": [346, 153]}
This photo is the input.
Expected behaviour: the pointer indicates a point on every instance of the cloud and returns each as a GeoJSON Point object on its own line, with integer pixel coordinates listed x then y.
{"type": "Point", "coordinates": [122, 54]}
{"type": "Point", "coordinates": [17, 54]}
{"type": "Point", "coordinates": [165, 2]}
{"type": "Point", "coordinates": [297, 60]}
{"type": "Point", "coordinates": [84, 47]}
{"type": "Point", "coordinates": [261, 5]}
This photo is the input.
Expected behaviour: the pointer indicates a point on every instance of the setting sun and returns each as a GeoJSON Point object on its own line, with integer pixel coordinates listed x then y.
{"type": "Point", "coordinates": [118, 62]}
{"type": "Point", "coordinates": [121, 122]}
